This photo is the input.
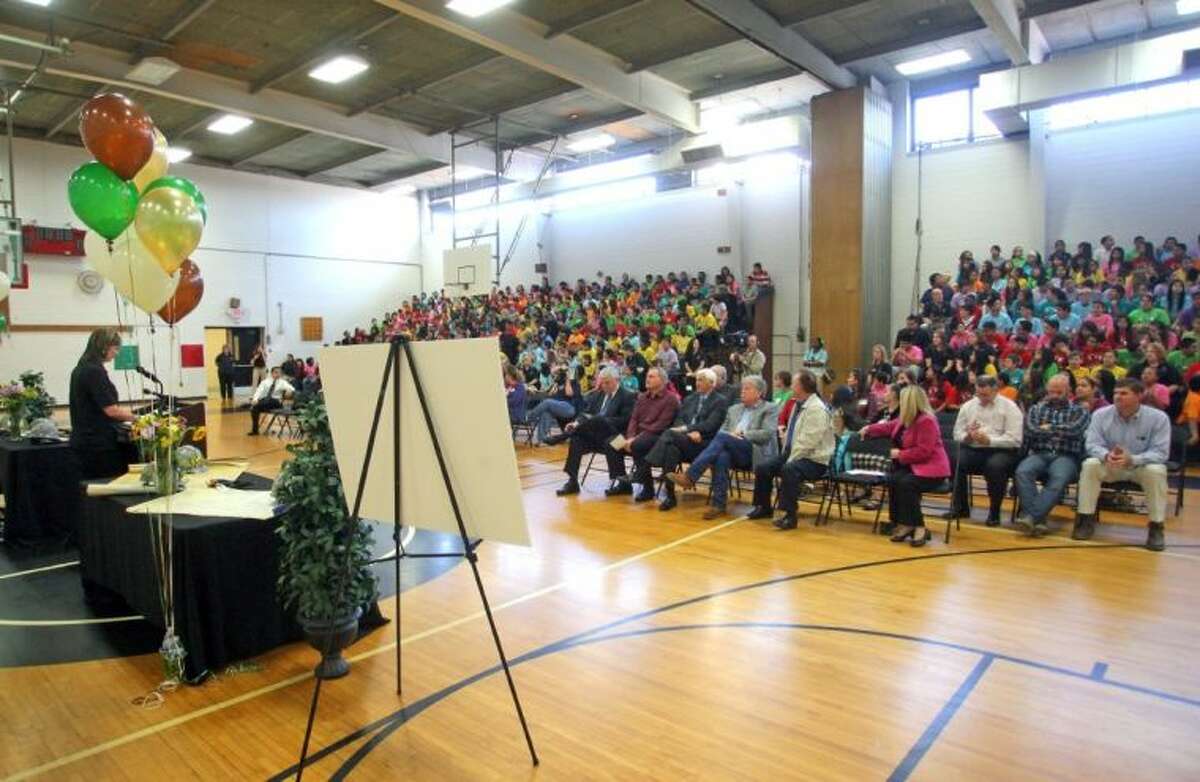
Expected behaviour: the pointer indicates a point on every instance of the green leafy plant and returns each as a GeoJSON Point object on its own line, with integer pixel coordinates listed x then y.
{"type": "Point", "coordinates": [318, 543]}
{"type": "Point", "coordinates": [42, 403]}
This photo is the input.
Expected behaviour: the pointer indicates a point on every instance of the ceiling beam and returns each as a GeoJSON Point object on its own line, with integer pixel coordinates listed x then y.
{"type": "Point", "coordinates": [188, 14]}
{"type": "Point", "coordinates": [482, 114]}
{"type": "Point", "coordinates": [104, 66]}
{"type": "Point", "coordinates": [761, 29]}
{"type": "Point", "coordinates": [577, 20]}
{"type": "Point", "coordinates": [268, 147]}
{"type": "Point", "coordinates": [408, 91]}
{"type": "Point", "coordinates": [344, 160]}
{"type": "Point", "coordinates": [567, 58]}
{"type": "Point", "coordinates": [817, 9]}
{"type": "Point", "coordinates": [335, 45]}
{"type": "Point", "coordinates": [1004, 21]}
{"type": "Point", "coordinates": [927, 36]}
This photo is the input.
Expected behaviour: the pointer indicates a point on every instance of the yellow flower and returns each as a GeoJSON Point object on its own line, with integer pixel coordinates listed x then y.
{"type": "Point", "coordinates": [199, 434]}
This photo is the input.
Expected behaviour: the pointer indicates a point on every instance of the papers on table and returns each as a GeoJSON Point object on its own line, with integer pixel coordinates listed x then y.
{"type": "Point", "coordinates": [220, 501]}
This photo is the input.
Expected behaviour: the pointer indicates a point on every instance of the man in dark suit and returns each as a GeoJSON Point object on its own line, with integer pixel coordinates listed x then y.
{"type": "Point", "coordinates": [606, 413]}
{"type": "Point", "coordinates": [699, 418]}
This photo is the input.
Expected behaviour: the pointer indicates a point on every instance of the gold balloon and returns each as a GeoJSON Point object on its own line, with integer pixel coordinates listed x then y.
{"type": "Point", "coordinates": [156, 166]}
{"type": "Point", "coordinates": [169, 223]}
{"type": "Point", "coordinates": [131, 268]}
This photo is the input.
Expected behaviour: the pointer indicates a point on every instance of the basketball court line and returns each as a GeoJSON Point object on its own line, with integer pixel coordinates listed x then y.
{"type": "Point", "coordinates": [31, 571]}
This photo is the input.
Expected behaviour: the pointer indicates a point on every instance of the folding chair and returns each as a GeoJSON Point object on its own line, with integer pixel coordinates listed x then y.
{"type": "Point", "coordinates": [870, 464]}
{"type": "Point", "coordinates": [1177, 461]}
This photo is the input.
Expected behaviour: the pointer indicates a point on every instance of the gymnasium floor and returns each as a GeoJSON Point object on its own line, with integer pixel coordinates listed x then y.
{"type": "Point", "coordinates": [658, 646]}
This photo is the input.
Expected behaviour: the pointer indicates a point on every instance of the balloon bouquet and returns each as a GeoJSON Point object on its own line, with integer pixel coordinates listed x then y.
{"type": "Point", "coordinates": [144, 224]}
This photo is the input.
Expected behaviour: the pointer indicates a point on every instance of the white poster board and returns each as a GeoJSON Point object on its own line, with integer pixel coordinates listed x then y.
{"type": "Point", "coordinates": [465, 393]}
{"type": "Point", "coordinates": [467, 271]}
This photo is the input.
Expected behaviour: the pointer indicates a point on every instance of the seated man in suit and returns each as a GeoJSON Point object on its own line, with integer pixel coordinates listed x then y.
{"type": "Point", "coordinates": [605, 415]}
{"type": "Point", "coordinates": [268, 396]}
{"type": "Point", "coordinates": [746, 439]}
{"type": "Point", "coordinates": [807, 447]}
{"type": "Point", "coordinates": [699, 418]}
{"type": "Point", "coordinates": [652, 414]}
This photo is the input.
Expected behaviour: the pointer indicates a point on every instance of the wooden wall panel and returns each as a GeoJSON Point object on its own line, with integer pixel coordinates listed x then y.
{"type": "Point", "coordinates": [837, 222]}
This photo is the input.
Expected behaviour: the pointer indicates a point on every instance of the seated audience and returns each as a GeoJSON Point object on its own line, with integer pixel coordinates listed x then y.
{"type": "Point", "coordinates": [749, 362]}
{"type": "Point", "coordinates": [1054, 433]}
{"type": "Point", "coordinates": [514, 389]}
{"type": "Point", "coordinates": [808, 445]}
{"type": "Point", "coordinates": [562, 404]}
{"type": "Point", "coordinates": [747, 438]}
{"type": "Point", "coordinates": [919, 464]}
{"type": "Point", "coordinates": [605, 414]}
{"type": "Point", "coordinates": [699, 418]}
{"type": "Point", "coordinates": [988, 431]}
{"type": "Point", "coordinates": [1126, 441]}
{"type": "Point", "coordinates": [268, 396]}
{"type": "Point", "coordinates": [652, 413]}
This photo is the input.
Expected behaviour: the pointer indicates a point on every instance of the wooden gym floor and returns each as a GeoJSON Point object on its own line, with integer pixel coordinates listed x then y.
{"type": "Point", "coordinates": [650, 645]}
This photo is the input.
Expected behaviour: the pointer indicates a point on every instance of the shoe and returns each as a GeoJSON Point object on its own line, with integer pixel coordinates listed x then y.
{"type": "Point", "coordinates": [1039, 529]}
{"type": "Point", "coordinates": [1025, 523]}
{"type": "Point", "coordinates": [786, 521]}
{"type": "Point", "coordinates": [1155, 540]}
{"type": "Point", "coordinates": [887, 528]}
{"type": "Point", "coordinates": [715, 512]}
{"type": "Point", "coordinates": [668, 503]}
{"type": "Point", "coordinates": [252, 434]}
{"type": "Point", "coordinates": [555, 439]}
{"type": "Point", "coordinates": [758, 512]}
{"type": "Point", "coordinates": [1085, 526]}
{"type": "Point", "coordinates": [903, 533]}
{"type": "Point", "coordinates": [921, 538]}
{"type": "Point", "coordinates": [645, 495]}
{"type": "Point", "coordinates": [619, 487]}
{"type": "Point", "coordinates": [570, 487]}
{"type": "Point", "coordinates": [683, 479]}
{"type": "Point", "coordinates": [992, 521]}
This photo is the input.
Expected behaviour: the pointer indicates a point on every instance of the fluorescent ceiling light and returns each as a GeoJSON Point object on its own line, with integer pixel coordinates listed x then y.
{"type": "Point", "coordinates": [1185, 7]}
{"type": "Point", "coordinates": [934, 62]}
{"type": "Point", "coordinates": [228, 124]}
{"type": "Point", "coordinates": [339, 69]}
{"type": "Point", "coordinates": [592, 143]}
{"type": "Point", "coordinates": [178, 154]}
{"type": "Point", "coordinates": [476, 7]}
{"type": "Point", "coordinates": [153, 70]}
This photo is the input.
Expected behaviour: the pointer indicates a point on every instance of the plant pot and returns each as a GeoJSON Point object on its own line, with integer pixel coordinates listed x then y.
{"type": "Point", "coordinates": [330, 637]}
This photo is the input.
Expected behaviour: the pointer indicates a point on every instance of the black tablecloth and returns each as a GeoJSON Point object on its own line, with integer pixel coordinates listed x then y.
{"type": "Point", "coordinates": [41, 489]}
{"type": "Point", "coordinates": [225, 572]}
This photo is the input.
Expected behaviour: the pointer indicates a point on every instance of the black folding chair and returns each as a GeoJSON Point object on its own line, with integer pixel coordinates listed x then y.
{"type": "Point", "coordinates": [869, 468]}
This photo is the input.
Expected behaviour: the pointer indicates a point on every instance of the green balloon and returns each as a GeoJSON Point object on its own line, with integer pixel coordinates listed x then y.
{"type": "Point", "coordinates": [101, 199]}
{"type": "Point", "coordinates": [3, 324]}
{"type": "Point", "coordinates": [187, 186]}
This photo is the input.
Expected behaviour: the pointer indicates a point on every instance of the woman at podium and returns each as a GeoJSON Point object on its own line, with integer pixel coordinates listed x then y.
{"type": "Point", "coordinates": [95, 414]}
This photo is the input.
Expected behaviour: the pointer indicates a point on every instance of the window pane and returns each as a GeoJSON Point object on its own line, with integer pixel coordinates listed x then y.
{"type": "Point", "coordinates": [938, 119]}
{"type": "Point", "coordinates": [982, 127]}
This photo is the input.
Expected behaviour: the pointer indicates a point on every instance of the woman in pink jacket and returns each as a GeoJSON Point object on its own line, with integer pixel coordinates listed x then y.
{"type": "Point", "coordinates": [919, 463]}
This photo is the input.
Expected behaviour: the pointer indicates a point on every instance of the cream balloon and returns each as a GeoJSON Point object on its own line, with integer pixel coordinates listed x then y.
{"type": "Point", "coordinates": [156, 166]}
{"type": "Point", "coordinates": [132, 269]}
{"type": "Point", "coordinates": [5, 286]}
{"type": "Point", "coordinates": [169, 223]}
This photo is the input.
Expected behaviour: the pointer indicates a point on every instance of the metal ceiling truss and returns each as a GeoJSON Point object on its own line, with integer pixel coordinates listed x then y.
{"type": "Point", "coordinates": [412, 89]}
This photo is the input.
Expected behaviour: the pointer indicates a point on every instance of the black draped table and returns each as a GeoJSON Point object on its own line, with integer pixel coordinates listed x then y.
{"type": "Point", "coordinates": [41, 489]}
{"type": "Point", "coordinates": [225, 571]}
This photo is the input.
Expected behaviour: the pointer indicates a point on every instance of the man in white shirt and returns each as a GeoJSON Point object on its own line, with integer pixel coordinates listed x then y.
{"type": "Point", "coordinates": [988, 430]}
{"type": "Point", "coordinates": [268, 396]}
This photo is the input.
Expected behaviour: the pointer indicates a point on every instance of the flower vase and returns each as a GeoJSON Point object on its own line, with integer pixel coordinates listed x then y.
{"type": "Point", "coordinates": [167, 475]}
{"type": "Point", "coordinates": [14, 425]}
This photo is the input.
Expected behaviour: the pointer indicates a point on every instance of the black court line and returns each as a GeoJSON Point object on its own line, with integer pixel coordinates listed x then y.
{"type": "Point", "coordinates": [394, 721]}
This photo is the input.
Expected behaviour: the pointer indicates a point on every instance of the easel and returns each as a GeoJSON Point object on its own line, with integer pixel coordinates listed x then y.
{"type": "Point", "coordinates": [392, 376]}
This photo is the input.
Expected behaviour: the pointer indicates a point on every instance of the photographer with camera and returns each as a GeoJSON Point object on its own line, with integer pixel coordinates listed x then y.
{"type": "Point", "coordinates": [562, 403]}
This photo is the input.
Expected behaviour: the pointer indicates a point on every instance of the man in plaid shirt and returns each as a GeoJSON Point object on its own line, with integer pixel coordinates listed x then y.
{"type": "Point", "coordinates": [1054, 440]}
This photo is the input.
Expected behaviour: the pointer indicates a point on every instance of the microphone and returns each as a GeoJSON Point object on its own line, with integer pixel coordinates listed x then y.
{"type": "Point", "coordinates": [148, 375]}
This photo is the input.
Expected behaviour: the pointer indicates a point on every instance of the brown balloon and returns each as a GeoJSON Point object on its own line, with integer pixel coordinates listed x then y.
{"type": "Point", "coordinates": [118, 132]}
{"type": "Point", "coordinates": [187, 294]}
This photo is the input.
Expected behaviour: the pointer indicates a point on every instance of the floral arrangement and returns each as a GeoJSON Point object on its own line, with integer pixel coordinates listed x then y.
{"type": "Point", "coordinates": [159, 437]}
{"type": "Point", "coordinates": [24, 400]}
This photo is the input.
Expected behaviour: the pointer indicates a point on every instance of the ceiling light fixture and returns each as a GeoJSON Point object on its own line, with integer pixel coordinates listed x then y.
{"type": "Point", "coordinates": [228, 124]}
{"type": "Point", "coordinates": [1185, 7]}
{"type": "Point", "coordinates": [42, 3]}
{"type": "Point", "coordinates": [339, 69]}
{"type": "Point", "coordinates": [592, 143]}
{"type": "Point", "coordinates": [475, 8]}
{"type": "Point", "coordinates": [933, 62]}
{"type": "Point", "coordinates": [153, 70]}
{"type": "Point", "coordinates": [178, 154]}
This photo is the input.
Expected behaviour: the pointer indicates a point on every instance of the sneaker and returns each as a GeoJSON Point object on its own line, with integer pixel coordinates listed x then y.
{"type": "Point", "coordinates": [715, 512]}
{"type": "Point", "coordinates": [1155, 540]}
{"type": "Point", "coordinates": [1085, 526]}
{"type": "Point", "coordinates": [1025, 523]}
{"type": "Point", "coordinates": [1039, 529]}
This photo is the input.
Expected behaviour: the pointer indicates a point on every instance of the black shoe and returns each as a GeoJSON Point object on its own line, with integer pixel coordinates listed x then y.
{"type": "Point", "coordinates": [1085, 526]}
{"type": "Point", "coordinates": [992, 521]}
{"type": "Point", "coordinates": [570, 487]}
{"type": "Point", "coordinates": [920, 537]}
{"type": "Point", "coordinates": [759, 512]}
{"type": "Point", "coordinates": [887, 527]}
{"type": "Point", "coordinates": [1155, 540]}
{"type": "Point", "coordinates": [645, 495]}
{"type": "Point", "coordinates": [621, 486]}
{"type": "Point", "coordinates": [668, 503]}
{"type": "Point", "coordinates": [786, 521]}
{"type": "Point", "coordinates": [252, 434]}
{"type": "Point", "coordinates": [555, 439]}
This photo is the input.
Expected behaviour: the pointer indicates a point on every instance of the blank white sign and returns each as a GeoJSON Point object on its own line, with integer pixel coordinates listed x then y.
{"type": "Point", "coordinates": [465, 393]}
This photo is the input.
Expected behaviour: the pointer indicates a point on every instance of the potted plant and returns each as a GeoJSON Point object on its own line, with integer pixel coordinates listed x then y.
{"type": "Point", "coordinates": [324, 564]}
